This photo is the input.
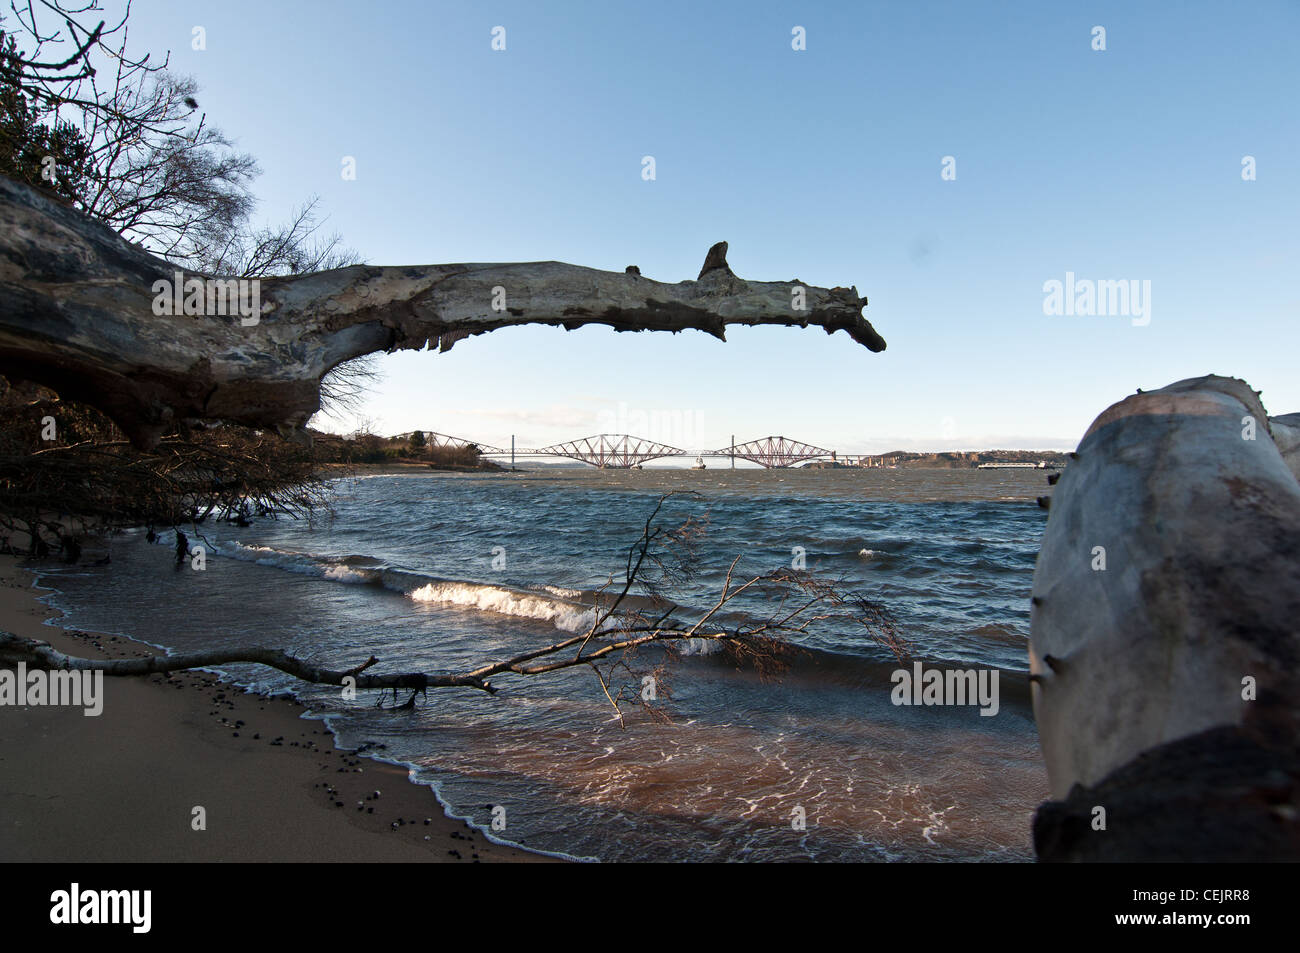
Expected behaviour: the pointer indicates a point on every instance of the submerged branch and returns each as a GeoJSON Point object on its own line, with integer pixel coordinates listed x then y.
{"type": "Point", "coordinates": [614, 636]}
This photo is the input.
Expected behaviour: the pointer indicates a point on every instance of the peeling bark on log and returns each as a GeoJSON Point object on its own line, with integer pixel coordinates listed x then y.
{"type": "Point", "coordinates": [1138, 668]}
{"type": "Point", "coordinates": [76, 314]}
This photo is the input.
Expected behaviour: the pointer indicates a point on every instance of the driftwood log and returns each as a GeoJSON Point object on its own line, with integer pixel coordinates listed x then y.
{"type": "Point", "coordinates": [1165, 633]}
{"type": "Point", "coordinates": [77, 314]}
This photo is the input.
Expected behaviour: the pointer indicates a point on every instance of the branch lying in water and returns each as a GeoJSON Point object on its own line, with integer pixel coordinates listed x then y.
{"type": "Point", "coordinates": [660, 557]}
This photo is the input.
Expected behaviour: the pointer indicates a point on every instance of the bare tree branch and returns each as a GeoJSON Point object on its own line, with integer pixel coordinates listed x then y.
{"type": "Point", "coordinates": [81, 319]}
{"type": "Point", "coordinates": [613, 638]}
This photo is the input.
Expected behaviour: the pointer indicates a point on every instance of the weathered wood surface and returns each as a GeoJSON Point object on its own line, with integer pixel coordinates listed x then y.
{"type": "Point", "coordinates": [1286, 434]}
{"type": "Point", "coordinates": [76, 313]}
{"type": "Point", "coordinates": [1139, 669]}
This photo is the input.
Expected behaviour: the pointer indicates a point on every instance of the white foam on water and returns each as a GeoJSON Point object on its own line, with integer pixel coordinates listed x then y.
{"type": "Point", "coordinates": [562, 615]}
{"type": "Point", "coordinates": [344, 574]}
{"type": "Point", "coordinates": [562, 592]}
{"type": "Point", "coordinates": [695, 646]}
{"type": "Point", "coordinates": [294, 562]}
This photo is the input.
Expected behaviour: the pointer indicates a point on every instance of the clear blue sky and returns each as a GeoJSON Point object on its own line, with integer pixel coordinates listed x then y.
{"type": "Point", "coordinates": [822, 164]}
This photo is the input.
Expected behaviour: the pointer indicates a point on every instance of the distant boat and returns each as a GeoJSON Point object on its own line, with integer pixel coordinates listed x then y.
{"type": "Point", "coordinates": [699, 464]}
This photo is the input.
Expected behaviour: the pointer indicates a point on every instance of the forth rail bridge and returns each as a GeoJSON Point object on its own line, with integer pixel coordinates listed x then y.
{"type": "Point", "coordinates": [624, 451]}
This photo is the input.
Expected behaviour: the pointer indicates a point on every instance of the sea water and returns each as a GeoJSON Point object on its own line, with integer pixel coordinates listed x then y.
{"type": "Point", "coordinates": [443, 572]}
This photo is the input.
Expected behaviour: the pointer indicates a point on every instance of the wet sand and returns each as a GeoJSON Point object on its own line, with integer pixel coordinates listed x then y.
{"type": "Point", "coordinates": [123, 786]}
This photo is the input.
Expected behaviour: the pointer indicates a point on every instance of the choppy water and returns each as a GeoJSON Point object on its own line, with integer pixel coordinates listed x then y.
{"type": "Point", "coordinates": [404, 570]}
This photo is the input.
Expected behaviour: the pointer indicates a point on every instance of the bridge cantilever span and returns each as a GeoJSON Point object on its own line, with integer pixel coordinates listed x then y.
{"type": "Point", "coordinates": [621, 451]}
{"type": "Point", "coordinates": [612, 451]}
{"type": "Point", "coordinates": [774, 452]}
{"type": "Point", "coordinates": [435, 439]}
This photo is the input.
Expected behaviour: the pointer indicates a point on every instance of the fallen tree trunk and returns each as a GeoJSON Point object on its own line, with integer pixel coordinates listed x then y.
{"type": "Point", "coordinates": [1165, 634]}
{"type": "Point", "coordinates": [77, 313]}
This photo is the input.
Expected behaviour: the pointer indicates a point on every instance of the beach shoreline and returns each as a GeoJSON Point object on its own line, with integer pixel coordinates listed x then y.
{"type": "Point", "coordinates": [124, 786]}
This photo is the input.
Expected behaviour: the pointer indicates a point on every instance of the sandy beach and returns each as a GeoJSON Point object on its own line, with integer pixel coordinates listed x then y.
{"type": "Point", "coordinates": [123, 786]}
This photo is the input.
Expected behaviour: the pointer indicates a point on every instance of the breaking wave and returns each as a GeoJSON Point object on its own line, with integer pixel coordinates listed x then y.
{"type": "Point", "coordinates": [563, 615]}
{"type": "Point", "coordinates": [570, 610]}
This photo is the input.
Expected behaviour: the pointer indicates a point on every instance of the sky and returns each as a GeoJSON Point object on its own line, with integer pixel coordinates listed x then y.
{"type": "Point", "coordinates": [826, 163]}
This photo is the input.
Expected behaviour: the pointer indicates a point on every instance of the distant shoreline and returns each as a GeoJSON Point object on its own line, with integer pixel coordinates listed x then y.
{"type": "Point", "coordinates": [897, 459]}
{"type": "Point", "coordinates": [395, 467]}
